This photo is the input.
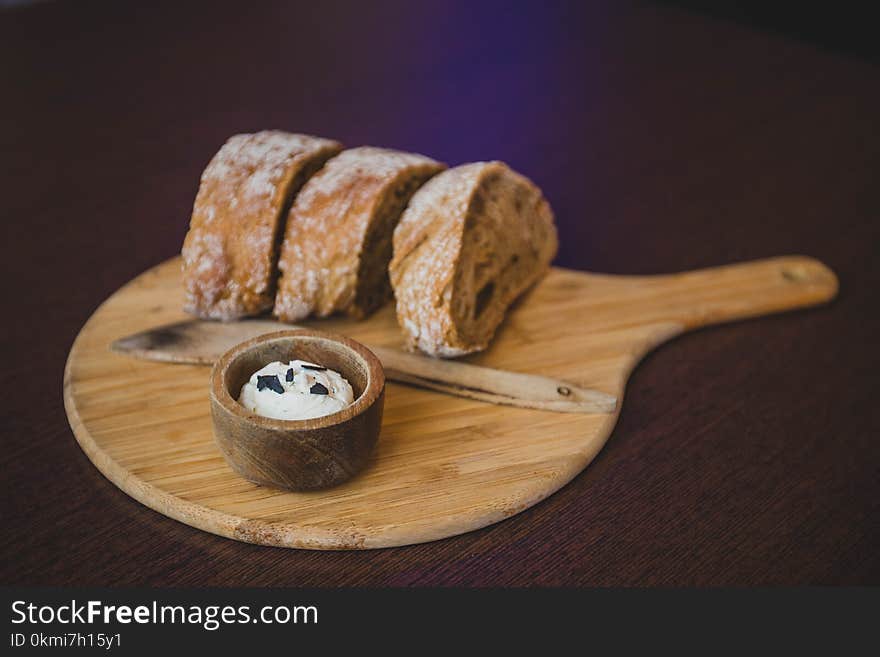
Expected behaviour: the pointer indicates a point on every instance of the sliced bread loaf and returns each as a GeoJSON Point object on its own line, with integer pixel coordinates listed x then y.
{"type": "Point", "coordinates": [230, 251]}
{"type": "Point", "coordinates": [337, 243]}
{"type": "Point", "coordinates": [469, 243]}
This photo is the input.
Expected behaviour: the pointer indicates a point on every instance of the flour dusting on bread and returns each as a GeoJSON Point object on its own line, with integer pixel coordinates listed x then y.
{"type": "Point", "coordinates": [337, 244]}
{"type": "Point", "coordinates": [230, 251]}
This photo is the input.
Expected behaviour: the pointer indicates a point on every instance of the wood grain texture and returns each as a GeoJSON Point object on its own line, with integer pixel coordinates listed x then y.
{"type": "Point", "coordinates": [664, 140]}
{"type": "Point", "coordinates": [147, 425]}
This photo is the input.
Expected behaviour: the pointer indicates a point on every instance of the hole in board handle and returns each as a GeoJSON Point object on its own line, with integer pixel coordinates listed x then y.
{"type": "Point", "coordinates": [795, 274]}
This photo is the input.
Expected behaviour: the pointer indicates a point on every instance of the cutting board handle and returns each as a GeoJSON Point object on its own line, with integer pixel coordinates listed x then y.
{"type": "Point", "coordinates": [722, 294]}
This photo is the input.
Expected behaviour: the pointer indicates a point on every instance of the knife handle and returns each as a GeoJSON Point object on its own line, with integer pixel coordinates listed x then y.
{"type": "Point", "coordinates": [491, 385]}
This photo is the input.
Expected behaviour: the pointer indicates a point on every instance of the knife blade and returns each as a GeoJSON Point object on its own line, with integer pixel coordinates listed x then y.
{"type": "Point", "coordinates": [198, 342]}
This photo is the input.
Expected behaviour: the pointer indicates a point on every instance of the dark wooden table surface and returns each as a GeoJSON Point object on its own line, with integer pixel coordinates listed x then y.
{"type": "Point", "coordinates": [665, 140]}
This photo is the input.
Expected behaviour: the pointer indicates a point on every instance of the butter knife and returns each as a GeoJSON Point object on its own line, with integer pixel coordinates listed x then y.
{"type": "Point", "coordinates": [199, 342]}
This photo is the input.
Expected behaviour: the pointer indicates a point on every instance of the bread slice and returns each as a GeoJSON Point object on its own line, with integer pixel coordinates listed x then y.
{"type": "Point", "coordinates": [337, 243]}
{"type": "Point", "coordinates": [471, 241]}
{"type": "Point", "coordinates": [230, 251]}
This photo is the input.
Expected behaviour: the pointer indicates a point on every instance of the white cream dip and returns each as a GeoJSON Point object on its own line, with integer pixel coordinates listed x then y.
{"type": "Point", "coordinates": [297, 390]}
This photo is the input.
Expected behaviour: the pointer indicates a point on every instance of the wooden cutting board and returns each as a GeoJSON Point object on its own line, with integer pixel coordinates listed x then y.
{"type": "Point", "coordinates": [444, 465]}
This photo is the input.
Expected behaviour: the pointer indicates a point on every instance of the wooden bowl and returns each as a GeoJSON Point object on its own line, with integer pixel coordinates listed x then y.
{"type": "Point", "coordinates": [298, 454]}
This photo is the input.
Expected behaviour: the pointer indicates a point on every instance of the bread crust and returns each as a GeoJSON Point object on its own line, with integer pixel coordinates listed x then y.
{"type": "Point", "coordinates": [471, 241]}
{"type": "Point", "coordinates": [337, 242]}
{"type": "Point", "coordinates": [230, 251]}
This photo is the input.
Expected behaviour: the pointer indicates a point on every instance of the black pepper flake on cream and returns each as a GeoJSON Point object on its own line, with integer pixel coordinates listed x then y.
{"type": "Point", "coordinates": [270, 381]}
{"type": "Point", "coordinates": [316, 368]}
{"type": "Point", "coordinates": [319, 389]}
{"type": "Point", "coordinates": [289, 376]}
